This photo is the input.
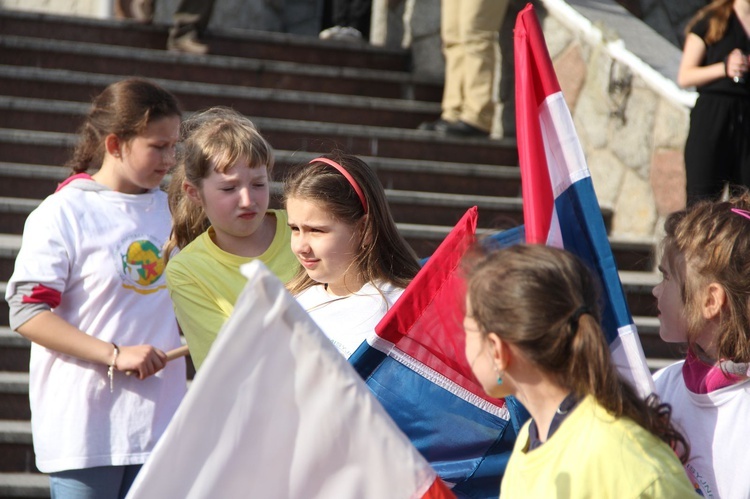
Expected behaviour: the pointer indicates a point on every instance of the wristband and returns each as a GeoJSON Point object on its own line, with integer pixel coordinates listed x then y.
{"type": "Point", "coordinates": [111, 368]}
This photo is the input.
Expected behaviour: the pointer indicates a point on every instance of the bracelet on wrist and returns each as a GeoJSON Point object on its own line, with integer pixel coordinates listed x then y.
{"type": "Point", "coordinates": [111, 368]}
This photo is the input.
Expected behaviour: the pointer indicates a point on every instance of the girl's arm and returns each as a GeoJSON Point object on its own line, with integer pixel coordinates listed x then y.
{"type": "Point", "coordinates": [691, 73]}
{"type": "Point", "coordinates": [54, 333]}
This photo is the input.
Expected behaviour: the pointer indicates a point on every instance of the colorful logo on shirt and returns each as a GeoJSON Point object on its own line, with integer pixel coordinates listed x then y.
{"type": "Point", "coordinates": [142, 266]}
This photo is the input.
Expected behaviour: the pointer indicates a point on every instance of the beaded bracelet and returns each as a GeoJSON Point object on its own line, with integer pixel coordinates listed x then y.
{"type": "Point", "coordinates": [111, 369]}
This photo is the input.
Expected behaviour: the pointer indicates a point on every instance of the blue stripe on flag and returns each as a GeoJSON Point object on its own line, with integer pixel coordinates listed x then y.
{"type": "Point", "coordinates": [464, 444]}
{"type": "Point", "coordinates": [585, 235]}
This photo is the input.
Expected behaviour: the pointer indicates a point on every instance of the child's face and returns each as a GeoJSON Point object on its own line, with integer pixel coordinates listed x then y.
{"type": "Point", "coordinates": [235, 202]}
{"type": "Point", "coordinates": [147, 158]}
{"type": "Point", "coordinates": [325, 247]}
{"type": "Point", "coordinates": [672, 320]}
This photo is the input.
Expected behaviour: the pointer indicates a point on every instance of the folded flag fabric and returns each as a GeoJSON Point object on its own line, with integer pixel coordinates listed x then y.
{"type": "Point", "coordinates": [277, 412]}
{"type": "Point", "coordinates": [559, 202]}
{"type": "Point", "coordinates": [415, 366]}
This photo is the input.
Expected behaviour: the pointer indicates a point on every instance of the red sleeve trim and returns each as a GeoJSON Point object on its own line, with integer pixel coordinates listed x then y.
{"type": "Point", "coordinates": [72, 178]}
{"type": "Point", "coordinates": [43, 294]}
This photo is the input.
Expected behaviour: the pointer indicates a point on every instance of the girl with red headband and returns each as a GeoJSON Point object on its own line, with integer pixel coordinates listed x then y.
{"type": "Point", "coordinates": [219, 196]}
{"type": "Point", "coordinates": [355, 263]}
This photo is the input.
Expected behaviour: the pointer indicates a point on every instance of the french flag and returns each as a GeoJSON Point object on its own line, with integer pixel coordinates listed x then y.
{"type": "Point", "coordinates": [559, 204]}
{"type": "Point", "coordinates": [416, 368]}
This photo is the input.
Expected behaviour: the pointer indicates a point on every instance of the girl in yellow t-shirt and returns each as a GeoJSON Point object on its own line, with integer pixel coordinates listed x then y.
{"type": "Point", "coordinates": [532, 331]}
{"type": "Point", "coordinates": [219, 197]}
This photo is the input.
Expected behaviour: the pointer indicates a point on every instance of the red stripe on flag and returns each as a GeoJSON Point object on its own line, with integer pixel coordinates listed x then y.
{"type": "Point", "coordinates": [535, 80]}
{"type": "Point", "coordinates": [438, 490]}
{"type": "Point", "coordinates": [426, 323]}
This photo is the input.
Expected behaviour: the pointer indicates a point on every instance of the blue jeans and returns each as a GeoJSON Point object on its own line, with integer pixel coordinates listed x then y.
{"type": "Point", "coordinates": [103, 482]}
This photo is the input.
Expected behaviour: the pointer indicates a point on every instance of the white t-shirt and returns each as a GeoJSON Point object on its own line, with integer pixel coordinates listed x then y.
{"type": "Point", "coordinates": [349, 320]}
{"type": "Point", "coordinates": [100, 250]}
{"type": "Point", "coordinates": [716, 426]}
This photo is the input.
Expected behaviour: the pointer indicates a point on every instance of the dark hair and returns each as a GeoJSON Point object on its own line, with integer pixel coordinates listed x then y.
{"type": "Point", "coordinates": [544, 301]}
{"type": "Point", "coordinates": [718, 13]}
{"type": "Point", "coordinates": [124, 108]}
{"type": "Point", "coordinates": [387, 256]}
{"type": "Point", "coordinates": [714, 243]}
{"type": "Point", "coordinates": [211, 140]}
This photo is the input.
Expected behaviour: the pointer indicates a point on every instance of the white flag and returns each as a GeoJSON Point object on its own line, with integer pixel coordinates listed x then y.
{"type": "Point", "coordinates": [277, 412]}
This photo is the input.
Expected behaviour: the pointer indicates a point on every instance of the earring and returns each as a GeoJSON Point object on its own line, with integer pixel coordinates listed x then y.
{"type": "Point", "coordinates": [499, 375]}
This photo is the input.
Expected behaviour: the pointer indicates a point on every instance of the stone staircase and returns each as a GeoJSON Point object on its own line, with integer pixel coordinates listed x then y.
{"type": "Point", "coordinates": [306, 96]}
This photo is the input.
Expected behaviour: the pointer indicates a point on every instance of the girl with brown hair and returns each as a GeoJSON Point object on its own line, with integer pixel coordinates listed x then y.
{"type": "Point", "coordinates": [355, 263]}
{"type": "Point", "coordinates": [532, 331]}
{"type": "Point", "coordinates": [703, 301]}
{"type": "Point", "coordinates": [88, 291]}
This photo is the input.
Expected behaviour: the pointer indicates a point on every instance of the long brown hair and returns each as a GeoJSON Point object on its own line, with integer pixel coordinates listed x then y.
{"type": "Point", "coordinates": [211, 140]}
{"type": "Point", "coordinates": [718, 13]}
{"type": "Point", "coordinates": [544, 301]}
{"type": "Point", "coordinates": [125, 109]}
{"type": "Point", "coordinates": [714, 242]}
{"type": "Point", "coordinates": [387, 256]}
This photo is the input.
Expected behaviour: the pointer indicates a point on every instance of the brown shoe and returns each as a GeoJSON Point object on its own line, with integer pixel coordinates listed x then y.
{"type": "Point", "coordinates": [187, 44]}
{"type": "Point", "coordinates": [138, 10]}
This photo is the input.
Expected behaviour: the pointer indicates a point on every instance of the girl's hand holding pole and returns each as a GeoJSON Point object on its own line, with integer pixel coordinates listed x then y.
{"type": "Point", "coordinates": [141, 360]}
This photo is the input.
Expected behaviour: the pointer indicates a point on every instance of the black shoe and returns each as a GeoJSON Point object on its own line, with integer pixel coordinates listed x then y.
{"type": "Point", "coordinates": [463, 129]}
{"type": "Point", "coordinates": [438, 125]}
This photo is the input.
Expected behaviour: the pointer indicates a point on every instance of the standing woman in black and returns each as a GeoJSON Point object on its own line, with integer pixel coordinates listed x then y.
{"type": "Point", "coordinates": [715, 60]}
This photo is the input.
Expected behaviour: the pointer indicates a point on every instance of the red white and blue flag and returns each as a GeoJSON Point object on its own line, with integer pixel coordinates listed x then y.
{"type": "Point", "coordinates": [415, 366]}
{"type": "Point", "coordinates": [559, 202]}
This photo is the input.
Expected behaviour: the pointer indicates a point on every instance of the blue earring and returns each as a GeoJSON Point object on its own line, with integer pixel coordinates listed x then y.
{"type": "Point", "coordinates": [499, 376]}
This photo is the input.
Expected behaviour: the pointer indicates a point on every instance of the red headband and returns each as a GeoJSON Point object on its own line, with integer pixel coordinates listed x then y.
{"type": "Point", "coordinates": [348, 177]}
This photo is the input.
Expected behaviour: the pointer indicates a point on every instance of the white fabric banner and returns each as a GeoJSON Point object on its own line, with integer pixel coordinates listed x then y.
{"type": "Point", "coordinates": [277, 412]}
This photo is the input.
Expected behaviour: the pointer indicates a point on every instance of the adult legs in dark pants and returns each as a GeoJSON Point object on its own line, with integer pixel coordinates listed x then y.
{"type": "Point", "coordinates": [717, 150]}
{"type": "Point", "coordinates": [190, 21]}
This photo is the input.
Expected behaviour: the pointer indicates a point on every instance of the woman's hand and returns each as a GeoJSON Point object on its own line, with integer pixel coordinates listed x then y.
{"type": "Point", "coordinates": [140, 360]}
{"type": "Point", "coordinates": [736, 64]}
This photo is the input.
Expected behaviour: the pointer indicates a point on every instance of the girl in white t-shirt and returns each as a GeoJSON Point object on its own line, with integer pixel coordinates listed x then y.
{"type": "Point", "coordinates": [703, 300]}
{"type": "Point", "coordinates": [355, 263]}
{"type": "Point", "coordinates": [88, 290]}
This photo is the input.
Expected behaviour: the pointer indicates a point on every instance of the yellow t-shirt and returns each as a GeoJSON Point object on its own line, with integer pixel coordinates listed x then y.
{"type": "Point", "coordinates": [592, 454]}
{"type": "Point", "coordinates": [204, 282]}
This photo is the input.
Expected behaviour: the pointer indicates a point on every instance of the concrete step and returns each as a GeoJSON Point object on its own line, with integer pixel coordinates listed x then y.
{"type": "Point", "coordinates": [243, 71]}
{"type": "Point", "coordinates": [23, 115]}
{"type": "Point", "coordinates": [14, 351]}
{"type": "Point", "coordinates": [14, 396]}
{"type": "Point", "coordinates": [24, 486]}
{"type": "Point", "coordinates": [16, 449]}
{"type": "Point", "coordinates": [239, 43]}
{"type": "Point", "coordinates": [80, 86]}
{"type": "Point", "coordinates": [638, 287]}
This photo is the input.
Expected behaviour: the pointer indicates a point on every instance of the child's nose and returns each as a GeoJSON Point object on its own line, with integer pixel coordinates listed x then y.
{"type": "Point", "coordinates": [245, 198]}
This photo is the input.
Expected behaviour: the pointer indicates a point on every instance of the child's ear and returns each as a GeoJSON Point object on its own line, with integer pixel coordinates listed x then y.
{"type": "Point", "coordinates": [192, 192]}
{"type": "Point", "coordinates": [713, 301]}
{"type": "Point", "coordinates": [499, 351]}
{"type": "Point", "coordinates": [112, 144]}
